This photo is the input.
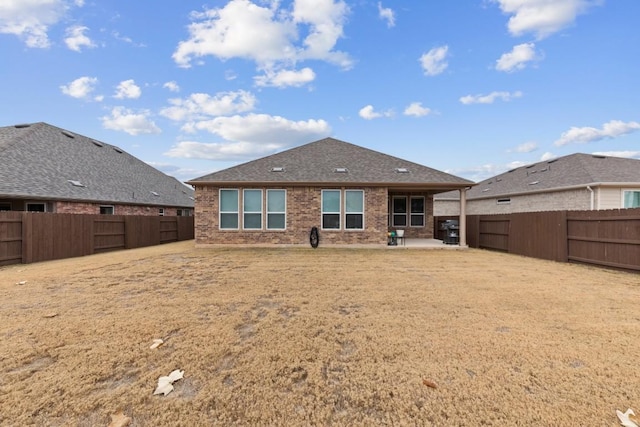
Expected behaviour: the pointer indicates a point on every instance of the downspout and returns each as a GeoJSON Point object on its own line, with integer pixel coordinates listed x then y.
{"type": "Point", "coordinates": [592, 196]}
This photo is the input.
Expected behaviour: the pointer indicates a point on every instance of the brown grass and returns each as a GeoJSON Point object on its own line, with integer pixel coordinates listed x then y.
{"type": "Point", "coordinates": [295, 336]}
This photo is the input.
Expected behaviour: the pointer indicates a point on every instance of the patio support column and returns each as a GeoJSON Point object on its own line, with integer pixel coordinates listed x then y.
{"type": "Point", "coordinates": [463, 217]}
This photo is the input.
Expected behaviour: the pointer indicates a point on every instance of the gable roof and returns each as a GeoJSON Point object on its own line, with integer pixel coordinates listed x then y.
{"type": "Point", "coordinates": [39, 161]}
{"type": "Point", "coordinates": [323, 161]}
{"type": "Point", "coordinates": [575, 170]}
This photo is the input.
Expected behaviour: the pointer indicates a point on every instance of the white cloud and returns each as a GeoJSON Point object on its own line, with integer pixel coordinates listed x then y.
{"type": "Point", "coordinates": [517, 58]}
{"type": "Point", "coordinates": [250, 136]}
{"type": "Point", "coordinates": [368, 113]}
{"type": "Point", "coordinates": [286, 78]}
{"type": "Point", "coordinates": [76, 39]}
{"type": "Point", "coordinates": [625, 154]}
{"type": "Point", "coordinates": [609, 130]}
{"type": "Point", "coordinates": [125, 120]}
{"type": "Point", "coordinates": [490, 98]}
{"type": "Point", "coordinates": [387, 14]}
{"type": "Point", "coordinates": [434, 62]}
{"type": "Point", "coordinates": [128, 89]}
{"type": "Point", "coordinates": [542, 17]}
{"type": "Point", "coordinates": [199, 106]}
{"type": "Point", "coordinates": [267, 35]}
{"type": "Point", "coordinates": [220, 150]}
{"type": "Point", "coordinates": [547, 156]}
{"type": "Point", "coordinates": [263, 128]}
{"type": "Point", "coordinates": [80, 88]}
{"type": "Point", "coordinates": [172, 86]}
{"type": "Point", "coordinates": [416, 109]}
{"type": "Point", "coordinates": [526, 147]}
{"type": "Point", "coordinates": [30, 19]}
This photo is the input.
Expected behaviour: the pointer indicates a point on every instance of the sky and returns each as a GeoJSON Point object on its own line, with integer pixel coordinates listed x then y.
{"type": "Point", "coordinates": [470, 87]}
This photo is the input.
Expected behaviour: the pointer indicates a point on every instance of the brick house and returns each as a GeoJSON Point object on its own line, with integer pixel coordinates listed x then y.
{"type": "Point", "coordinates": [574, 182]}
{"type": "Point", "coordinates": [47, 169]}
{"type": "Point", "coordinates": [353, 195]}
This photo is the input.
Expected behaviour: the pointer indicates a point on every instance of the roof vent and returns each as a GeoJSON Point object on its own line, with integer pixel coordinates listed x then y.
{"type": "Point", "coordinates": [118, 150]}
{"type": "Point", "coordinates": [341, 170]}
{"type": "Point", "coordinates": [402, 170]}
{"type": "Point", "coordinates": [155, 193]}
{"type": "Point", "coordinates": [67, 134]}
{"type": "Point", "coordinates": [530, 166]}
{"type": "Point", "coordinates": [598, 156]}
{"type": "Point", "coordinates": [551, 161]}
{"type": "Point", "coordinates": [485, 190]}
{"type": "Point", "coordinates": [534, 183]}
{"type": "Point", "coordinates": [76, 183]}
{"type": "Point", "coordinates": [277, 169]}
{"type": "Point", "coordinates": [191, 198]}
{"type": "Point", "coordinates": [22, 125]}
{"type": "Point", "coordinates": [97, 143]}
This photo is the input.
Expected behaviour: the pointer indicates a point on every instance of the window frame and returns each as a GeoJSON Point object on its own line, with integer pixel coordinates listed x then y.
{"type": "Point", "coordinates": [624, 193]}
{"type": "Point", "coordinates": [270, 213]}
{"type": "Point", "coordinates": [323, 212]}
{"type": "Point", "coordinates": [28, 204]}
{"type": "Point", "coordinates": [113, 209]}
{"type": "Point", "coordinates": [5, 207]}
{"type": "Point", "coordinates": [246, 212]}
{"type": "Point", "coordinates": [221, 212]}
{"type": "Point", "coordinates": [361, 212]}
{"type": "Point", "coordinates": [422, 214]}
{"type": "Point", "coordinates": [399, 214]}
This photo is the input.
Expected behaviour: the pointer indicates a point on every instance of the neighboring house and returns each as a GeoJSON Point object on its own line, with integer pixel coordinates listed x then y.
{"type": "Point", "coordinates": [47, 169]}
{"type": "Point", "coordinates": [353, 195]}
{"type": "Point", "coordinates": [573, 182]}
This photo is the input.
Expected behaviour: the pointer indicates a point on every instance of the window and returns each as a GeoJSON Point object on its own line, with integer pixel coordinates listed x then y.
{"type": "Point", "coordinates": [331, 209]}
{"type": "Point", "coordinates": [252, 209]}
{"type": "Point", "coordinates": [106, 210]}
{"type": "Point", "coordinates": [417, 212]}
{"type": "Point", "coordinates": [631, 199]}
{"type": "Point", "coordinates": [354, 209]}
{"type": "Point", "coordinates": [399, 211]}
{"type": "Point", "coordinates": [36, 207]}
{"type": "Point", "coordinates": [276, 209]}
{"type": "Point", "coordinates": [5, 206]}
{"type": "Point", "coordinates": [161, 211]}
{"type": "Point", "coordinates": [229, 209]}
{"type": "Point", "coordinates": [183, 212]}
{"type": "Point", "coordinates": [504, 201]}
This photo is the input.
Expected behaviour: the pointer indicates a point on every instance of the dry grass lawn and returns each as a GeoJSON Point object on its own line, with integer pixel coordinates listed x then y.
{"type": "Point", "coordinates": [337, 337]}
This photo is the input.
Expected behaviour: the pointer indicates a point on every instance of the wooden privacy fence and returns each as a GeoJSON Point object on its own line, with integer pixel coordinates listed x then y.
{"type": "Point", "coordinates": [606, 238]}
{"type": "Point", "coordinates": [27, 237]}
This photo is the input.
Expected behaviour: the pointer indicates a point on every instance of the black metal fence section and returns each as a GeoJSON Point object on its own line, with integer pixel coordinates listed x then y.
{"type": "Point", "coordinates": [27, 237]}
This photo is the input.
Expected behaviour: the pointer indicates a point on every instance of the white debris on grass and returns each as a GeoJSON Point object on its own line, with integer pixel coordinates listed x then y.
{"type": "Point", "coordinates": [156, 343]}
{"type": "Point", "coordinates": [165, 384]}
{"type": "Point", "coordinates": [624, 418]}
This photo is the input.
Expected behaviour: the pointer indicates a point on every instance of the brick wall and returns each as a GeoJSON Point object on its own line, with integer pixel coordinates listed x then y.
{"type": "Point", "coordinates": [303, 213]}
{"type": "Point", "coordinates": [94, 209]}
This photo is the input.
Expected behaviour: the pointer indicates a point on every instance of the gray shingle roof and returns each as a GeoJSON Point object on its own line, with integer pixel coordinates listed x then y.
{"type": "Point", "coordinates": [38, 161]}
{"type": "Point", "coordinates": [316, 163]}
{"type": "Point", "coordinates": [569, 171]}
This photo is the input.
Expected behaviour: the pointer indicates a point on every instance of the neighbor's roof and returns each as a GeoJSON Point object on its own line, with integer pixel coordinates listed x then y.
{"type": "Point", "coordinates": [331, 161]}
{"type": "Point", "coordinates": [40, 161]}
{"type": "Point", "coordinates": [570, 171]}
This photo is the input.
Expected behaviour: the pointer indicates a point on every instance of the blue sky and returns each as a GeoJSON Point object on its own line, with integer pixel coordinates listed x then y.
{"type": "Point", "coordinates": [471, 87]}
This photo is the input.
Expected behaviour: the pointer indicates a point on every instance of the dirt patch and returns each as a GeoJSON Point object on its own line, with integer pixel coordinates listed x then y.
{"type": "Point", "coordinates": [295, 336]}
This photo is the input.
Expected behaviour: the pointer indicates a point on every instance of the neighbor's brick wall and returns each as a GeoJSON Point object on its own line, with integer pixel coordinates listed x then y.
{"type": "Point", "coordinates": [94, 209]}
{"type": "Point", "coordinates": [303, 213]}
{"type": "Point", "coordinates": [579, 199]}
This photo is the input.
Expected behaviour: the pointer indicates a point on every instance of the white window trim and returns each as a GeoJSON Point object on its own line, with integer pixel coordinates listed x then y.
{"type": "Point", "coordinates": [423, 214]}
{"type": "Point", "coordinates": [266, 219]}
{"type": "Point", "coordinates": [261, 212]}
{"type": "Point", "coordinates": [26, 206]}
{"type": "Point", "coordinates": [113, 209]}
{"type": "Point", "coordinates": [393, 214]}
{"type": "Point", "coordinates": [627, 190]}
{"type": "Point", "coordinates": [160, 211]}
{"type": "Point", "coordinates": [344, 194]}
{"type": "Point", "coordinates": [237, 211]}
{"type": "Point", "coordinates": [322, 212]}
